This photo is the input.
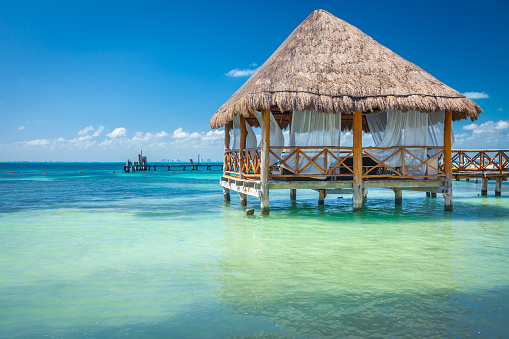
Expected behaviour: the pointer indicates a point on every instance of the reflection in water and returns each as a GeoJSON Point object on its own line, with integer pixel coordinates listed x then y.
{"type": "Point", "coordinates": [354, 274]}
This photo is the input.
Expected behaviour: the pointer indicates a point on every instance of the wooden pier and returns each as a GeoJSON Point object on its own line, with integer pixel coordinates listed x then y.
{"type": "Point", "coordinates": [192, 166]}
{"type": "Point", "coordinates": [489, 164]}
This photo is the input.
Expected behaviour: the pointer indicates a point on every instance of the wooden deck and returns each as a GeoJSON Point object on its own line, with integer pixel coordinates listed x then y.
{"type": "Point", "coordinates": [242, 173]}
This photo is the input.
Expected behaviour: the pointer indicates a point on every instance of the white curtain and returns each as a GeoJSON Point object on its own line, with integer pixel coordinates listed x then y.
{"type": "Point", "coordinates": [395, 128]}
{"type": "Point", "coordinates": [310, 128]}
{"type": "Point", "coordinates": [235, 141]}
{"type": "Point", "coordinates": [276, 137]}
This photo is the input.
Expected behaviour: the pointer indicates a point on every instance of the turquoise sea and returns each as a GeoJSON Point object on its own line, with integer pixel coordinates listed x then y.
{"type": "Point", "coordinates": [159, 254]}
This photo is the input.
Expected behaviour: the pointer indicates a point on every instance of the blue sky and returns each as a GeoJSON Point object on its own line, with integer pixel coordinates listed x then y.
{"type": "Point", "coordinates": [99, 80]}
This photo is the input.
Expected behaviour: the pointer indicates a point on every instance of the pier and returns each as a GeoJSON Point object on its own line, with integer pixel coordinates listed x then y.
{"type": "Point", "coordinates": [489, 164]}
{"type": "Point", "coordinates": [135, 166]}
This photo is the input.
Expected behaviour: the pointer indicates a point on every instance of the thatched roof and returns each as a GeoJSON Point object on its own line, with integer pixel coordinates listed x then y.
{"type": "Point", "coordinates": [330, 66]}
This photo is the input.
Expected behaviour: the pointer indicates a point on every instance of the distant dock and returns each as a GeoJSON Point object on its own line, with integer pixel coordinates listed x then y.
{"type": "Point", "coordinates": [142, 165]}
{"type": "Point", "coordinates": [192, 166]}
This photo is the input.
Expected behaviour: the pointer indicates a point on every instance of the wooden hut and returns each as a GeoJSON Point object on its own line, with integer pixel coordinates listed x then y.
{"type": "Point", "coordinates": [328, 70]}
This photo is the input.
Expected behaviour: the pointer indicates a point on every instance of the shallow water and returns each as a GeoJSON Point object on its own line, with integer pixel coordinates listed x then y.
{"type": "Point", "coordinates": [158, 254]}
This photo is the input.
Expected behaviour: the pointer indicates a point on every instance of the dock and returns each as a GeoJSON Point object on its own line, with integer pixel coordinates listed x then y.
{"type": "Point", "coordinates": [488, 164]}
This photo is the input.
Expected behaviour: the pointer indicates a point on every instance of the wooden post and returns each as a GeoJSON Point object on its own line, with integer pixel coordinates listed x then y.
{"type": "Point", "coordinates": [448, 159]}
{"type": "Point", "coordinates": [226, 191]}
{"type": "Point", "coordinates": [398, 196]}
{"type": "Point", "coordinates": [293, 194]}
{"type": "Point", "coordinates": [243, 199]}
{"type": "Point", "coordinates": [321, 197]}
{"type": "Point", "coordinates": [243, 136]}
{"type": "Point", "coordinates": [498, 187]}
{"type": "Point", "coordinates": [484, 186]}
{"type": "Point", "coordinates": [428, 194]}
{"type": "Point", "coordinates": [357, 161]}
{"type": "Point", "coordinates": [264, 166]}
{"type": "Point", "coordinates": [433, 195]}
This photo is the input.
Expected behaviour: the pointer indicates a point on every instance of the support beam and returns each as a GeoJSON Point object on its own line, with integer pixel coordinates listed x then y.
{"type": "Point", "coordinates": [293, 194]}
{"type": "Point", "coordinates": [264, 166]}
{"type": "Point", "coordinates": [428, 194]}
{"type": "Point", "coordinates": [484, 186]}
{"type": "Point", "coordinates": [243, 199]}
{"type": "Point", "coordinates": [398, 197]}
{"type": "Point", "coordinates": [498, 187]}
{"type": "Point", "coordinates": [243, 136]}
{"type": "Point", "coordinates": [448, 159]}
{"type": "Point", "coordinates": [226, 194]}
{"type": "Point", "coordinates": [321, 197]}
{"type": "Point", "coordinates": [226, 191]}
{"type": "Point", "coordinates": [357, 161]}
{"type": "Point", "coordinates": [433, 195]}
{"type": "Point", "coordinates": [227, 136]}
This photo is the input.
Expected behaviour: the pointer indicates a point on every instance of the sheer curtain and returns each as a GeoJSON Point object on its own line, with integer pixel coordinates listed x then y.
{"type": "Point", "coordinates": [235, 141]}
{"type": "Point", "coordinates": [395, 128]}
{"type": "Point", "coordinates": [276, 137]}
{"type": "Point", "coordinates": [310, 128]}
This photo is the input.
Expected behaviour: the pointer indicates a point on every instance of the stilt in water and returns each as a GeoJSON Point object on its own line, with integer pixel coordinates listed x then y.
{"type": "Point", "coordinates": [398, 197]}
{"type": "Point", "coordinates": [433, 195]}
{"type": "Point", "coordinates": [321, 197]}
{"type": "Point", "coordinates": [484, 186]}
{"type": "Point", "coordinates": [243, 199]}
{"type": "Point", "coordinates": [428, 194]}
{"type": "Point", "coordinates": [226, 194]}
{"type": "Point", "coordinates": [498, 187]}
{"type": "Point", "coordinates": [293, 194]}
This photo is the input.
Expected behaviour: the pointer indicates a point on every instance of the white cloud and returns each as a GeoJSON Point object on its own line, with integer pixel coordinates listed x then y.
{"type": "Point", "coordinates": [86, 130]}
{"type": "Point", "coordinates": [37, 142]}
{"type": "Point", "coordinates": [179, 133]}
{"type": "Point", "coordinates": [235, 73]}
{"type": "Point", "coordinates": [20, 128]}
{"type": "Point", "coordinates": [476, 95]}
{"type": "Point", "coordinates": [487, 127]}
{"type": "Point", "coordinates": [491, 134]}
{"type": "Point", "coordinates": [118, 132]}
{"type": "Point", "coordinates": [253, 64]}
{"type": "Point", "coordinates": [98, 131]}
{"type": "Point", "coordinates": [500, 109]}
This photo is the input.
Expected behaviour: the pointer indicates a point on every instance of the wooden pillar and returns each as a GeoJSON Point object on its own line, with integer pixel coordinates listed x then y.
{"type": "Point", "coordinates": [433, 195]}
{"type": "Point", "coordinates": [484, 186]}
{"type": "Point", "coordinates": [357, 161]}
{"type": "Point", "coordinates": [498, 187]}
{"type": "Point", "coordinates": [321, 197]}
{"type": "Point", "coordinates": [226, 191]}
{"type": "Point", "coordinates": [293, 194]}
{"type": "Point", "coordinates": [428, 194]}
{"type": "Point", "coordinates": [448, 159]}
{"type": "Point", "coordinates": [264, 166]}
{"type": "Point", "coordinates": [243, 136]}
{"type": "Point", "coordinates": [243, 199]}
{"type": "Point", "coordinates": [398, 196]}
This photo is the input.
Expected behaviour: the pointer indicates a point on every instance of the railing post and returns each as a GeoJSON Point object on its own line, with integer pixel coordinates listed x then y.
{"type": "Point", "coordinates": [357, 161]}
{"type": "Point", "coordinates": [448, 159]}
{"type": "Point", "coordinates": [264, 168]}
{"type": "Point", "coordinates": [243, 135]}
{"type": "Point", "coordinates": [226, 191]}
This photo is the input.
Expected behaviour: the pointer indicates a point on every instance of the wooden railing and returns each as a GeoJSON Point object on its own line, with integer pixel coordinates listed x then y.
{"type": "Point", "coordinates": [492, 160]}
{"type": "Point", "coordinates": [409, 166]}
{"type": "Point", "coordinates": [297, 161]}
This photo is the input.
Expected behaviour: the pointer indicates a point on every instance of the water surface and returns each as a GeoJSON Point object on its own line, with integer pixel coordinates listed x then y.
{"type": "Point", "coordinates": [158, 254]}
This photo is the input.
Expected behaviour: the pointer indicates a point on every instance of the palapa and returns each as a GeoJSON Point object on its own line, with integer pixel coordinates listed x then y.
{"type": "Point", "coordinates": [329, 66]}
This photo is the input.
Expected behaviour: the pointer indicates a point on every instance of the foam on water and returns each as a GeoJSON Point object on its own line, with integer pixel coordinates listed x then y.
{"type": "Point", "coordinates": [159, 254]}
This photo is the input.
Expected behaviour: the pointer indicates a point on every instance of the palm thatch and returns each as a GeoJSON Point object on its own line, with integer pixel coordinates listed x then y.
{"type": "Point", "coordinates": [329, 66]}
